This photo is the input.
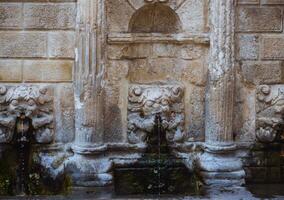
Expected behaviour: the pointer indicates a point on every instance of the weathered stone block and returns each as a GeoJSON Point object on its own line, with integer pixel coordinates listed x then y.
{"type": "Point", "coordinates": [49, 16]}
{"type": "Point", "coordinates": [194, 72]}
{"type": "Point", "coordinates": [157, 50]}
{"type": "Point", "coordinates": [192, 52]}
{"type": "Point", "coordinates": [10, 70]}
{"type": "Point", "coordinates": [195, 112]}
{"type": "Point", "coordinates": [247, 47]}
{"type": "Point", "coordinates": [64, 113]}
{"type": "Point", "coordinates": [165, 50]}
{"type": "Point", "coordinates": [23, 44]}
{"type": "Point", "coordinates": [133, 51]}
{"type": "Point", "coordinates": [255, 19]}
{"type": "Point", "coordinates": [61, 44]}
{"type": "Point", "coordinates": [192, 17]}
{"type": "Point", "coordinates": [47, 71]}
{"type": "Point", "coordinates": [10, 15]}
{"type": "Point", "coordinates": [263, 72]}
{"type": "Point", "coordinates": [273, 48]}
{"type": "Point", "coordinates": [118, 22]}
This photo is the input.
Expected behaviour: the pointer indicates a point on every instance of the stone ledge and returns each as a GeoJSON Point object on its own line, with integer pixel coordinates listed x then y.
{"type": "Point", "coordinates": [122, 38]}
{"type": "Point", "coordinates": [248, 2]}
{"type": "Point", "coordinates": [272, 2]}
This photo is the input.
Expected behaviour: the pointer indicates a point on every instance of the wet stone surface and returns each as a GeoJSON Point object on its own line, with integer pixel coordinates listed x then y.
{"type": "Point", "coordinates": [36, 179]}
{"type": "Point", "coordinates": [157, 172]}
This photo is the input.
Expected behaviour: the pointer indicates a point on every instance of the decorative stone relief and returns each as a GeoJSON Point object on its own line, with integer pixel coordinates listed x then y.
{"type": "Point", "coordinates": [269, 112]}
{"type": "Point", "coordinates": [147, 101]}
{"type": "Point", "coordinates": [34, 102]}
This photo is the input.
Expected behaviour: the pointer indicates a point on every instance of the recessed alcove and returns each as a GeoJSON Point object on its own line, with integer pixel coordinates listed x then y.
{"type": "Point", "coordinates": [155, 18]}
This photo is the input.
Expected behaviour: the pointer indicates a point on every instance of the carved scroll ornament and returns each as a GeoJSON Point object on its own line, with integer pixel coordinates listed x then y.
{"type": "Point", "coordinates": [270, 113]}
{"type": "Point", "coordinates": [145, 102]}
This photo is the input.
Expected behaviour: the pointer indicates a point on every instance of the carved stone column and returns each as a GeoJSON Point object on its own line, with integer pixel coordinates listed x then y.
{"type": "Point", "coordinates": [86, 166]}
{"type": "Point", "coordinates": [86, 75]}
{"type": "Point", "coordinates": [219, 163]}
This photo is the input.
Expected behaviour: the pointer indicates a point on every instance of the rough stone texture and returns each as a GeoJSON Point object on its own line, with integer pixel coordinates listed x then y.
{"type": "Point", "coordinates": [23, 44]}
{"type": "Point", "coordinates": [272, 48]}
{"type": "Point", "coordinates": [248, 47]}
{"type": "Point", "coordinates": [10, 70]}
{"type": "Point", "coordinates": [193, 11]}
{"type": "Point", "coordinates": [260, 85]}
{"type": "Point", "coordinates": [47, 71]}
{"type": "Point", "coordinates": [255, 19]}
{"type": "Point", "coordinates": [10, 16]}
{"type": "Point", "coordinates": [49, 16]}
{"type": "Point", "coordinates": [268, 72]}
{"type": "Point", "coordinates": [219, 67]}
{"type": "Point", "coordinates": [61, 44]}
{"type": "Point", "coordinates": [64, 113]}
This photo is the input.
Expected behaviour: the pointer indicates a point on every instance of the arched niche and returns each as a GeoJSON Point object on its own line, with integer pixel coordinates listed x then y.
{"type": "Point", "coordinates": [155, 18]}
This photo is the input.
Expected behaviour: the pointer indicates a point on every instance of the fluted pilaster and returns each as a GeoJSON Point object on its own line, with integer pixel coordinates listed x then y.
{"type": "Point", "coordinates": [88, 73]}
{"type": "Point", "coordinates": [219, 163]}
{"type": "Point", "coordinates": [221, 83]}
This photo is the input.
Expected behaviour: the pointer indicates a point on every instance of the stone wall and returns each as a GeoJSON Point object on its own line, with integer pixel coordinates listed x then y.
{"type": "Point", "coordinates": [37, 45]}
{"type": "Point", "coordinates": [259, 47]}
{"type": "Point", "coordinates": [123, 65]}
{"type": "Point", "coordinates": [149, 57]}
{"type": "Point", "coordinates": [259, 51]}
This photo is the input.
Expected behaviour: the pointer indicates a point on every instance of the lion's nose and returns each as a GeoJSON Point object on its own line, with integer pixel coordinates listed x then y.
{"type": "Point", "coordinates": [21, 108]}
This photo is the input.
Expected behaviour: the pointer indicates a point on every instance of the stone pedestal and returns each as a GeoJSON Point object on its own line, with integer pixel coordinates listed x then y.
{"type": "Point", "coordinates": [220, 165]}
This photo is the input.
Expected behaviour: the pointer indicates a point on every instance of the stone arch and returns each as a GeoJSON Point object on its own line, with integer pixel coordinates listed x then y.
{"type": "Point", "coordinates": [155, 18]}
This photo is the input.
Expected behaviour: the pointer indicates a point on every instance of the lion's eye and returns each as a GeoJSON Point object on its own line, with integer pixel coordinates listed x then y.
{"type": "Point", "coordinates": [14, 102]}
{"type": "Point", "coordinates": [31, 102]}
{"type": "Point", "coordinates": [164, 102]}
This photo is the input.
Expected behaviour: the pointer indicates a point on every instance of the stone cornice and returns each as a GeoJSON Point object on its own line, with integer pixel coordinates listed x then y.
{"type": "Point", "coordinates": [126, 38]}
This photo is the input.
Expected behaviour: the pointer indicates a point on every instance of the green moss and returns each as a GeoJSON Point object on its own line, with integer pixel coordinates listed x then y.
{"type": "Point", "coordinates": [39, 181]}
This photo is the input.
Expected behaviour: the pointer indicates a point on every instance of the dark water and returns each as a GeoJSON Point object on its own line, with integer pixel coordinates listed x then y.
{"type": "Point", "coordinates": [157, 172]}
{"type": "Point", "coordinates": [267, 190]}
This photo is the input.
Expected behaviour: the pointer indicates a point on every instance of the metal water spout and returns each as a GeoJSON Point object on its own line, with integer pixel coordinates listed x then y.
{"type": "Point", "coordinates": [23, 140]}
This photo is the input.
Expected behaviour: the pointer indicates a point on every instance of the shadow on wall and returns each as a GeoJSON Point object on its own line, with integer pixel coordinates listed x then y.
{"type": "Point", "coordinates": [155, 18]}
